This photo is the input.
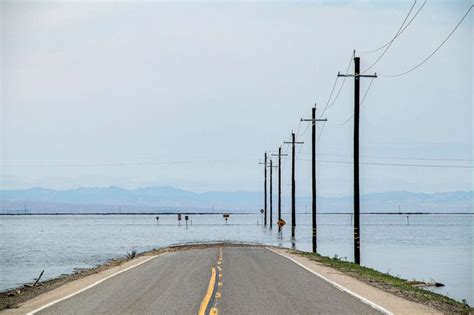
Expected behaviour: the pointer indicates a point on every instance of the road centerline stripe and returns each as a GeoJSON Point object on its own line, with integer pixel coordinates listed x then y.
{"type": "Point", "coordinates": [210, 290]}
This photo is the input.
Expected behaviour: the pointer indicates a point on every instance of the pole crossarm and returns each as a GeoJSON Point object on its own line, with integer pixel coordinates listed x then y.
{"type": "Point", "coordinates": [357, 75]}
{"type": "Point", "coordinates": [314, 120]}
{"type": "Point", "coordinates": [291, 142]}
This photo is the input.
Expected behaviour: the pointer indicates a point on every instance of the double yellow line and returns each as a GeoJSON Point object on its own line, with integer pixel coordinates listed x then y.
{"type": "Point", "coordinates": [210, 289]}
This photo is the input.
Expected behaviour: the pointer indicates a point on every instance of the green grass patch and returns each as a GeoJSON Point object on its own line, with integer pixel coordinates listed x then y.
{"type": "Point", "coordinates": [395, 285]}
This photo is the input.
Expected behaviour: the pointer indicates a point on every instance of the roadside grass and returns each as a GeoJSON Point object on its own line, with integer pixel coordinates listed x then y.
{"type": "Point", "coordinates": [392, 284]}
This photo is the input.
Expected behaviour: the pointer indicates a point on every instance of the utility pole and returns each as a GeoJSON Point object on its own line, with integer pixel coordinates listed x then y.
{"type": "Point", "coordinates": [265, 190]}
{"type": "Point", "coordinates": [313, 121]}
{"type": "Point", "coordinates": [357, 77]}
{"type": "Point", "coordinates": [293, 189]}
{"type": "Point", "coordinates": [271, 194]}
{"type": "Point", "coordinates": [279, 184]}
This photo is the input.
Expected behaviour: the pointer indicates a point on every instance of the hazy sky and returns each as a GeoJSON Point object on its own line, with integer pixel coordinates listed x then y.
{"type": "Point", "coordinates": [203, 89]}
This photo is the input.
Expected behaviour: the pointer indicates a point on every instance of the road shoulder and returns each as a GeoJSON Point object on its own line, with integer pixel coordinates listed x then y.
{"type": "Point", "coordinates": [388, 301]}
{"type": "Point", "coordinates": [76, 286]}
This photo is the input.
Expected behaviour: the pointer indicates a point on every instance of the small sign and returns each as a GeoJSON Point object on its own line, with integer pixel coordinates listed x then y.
{"type": "Point", "coordinates": [179, 216]}
{"type": "Point", "coordinates": [281, 223]}
{"type": "Point", "coordinates": [186, 217]}
{"type": "Point", "coordinates": [261, 211]}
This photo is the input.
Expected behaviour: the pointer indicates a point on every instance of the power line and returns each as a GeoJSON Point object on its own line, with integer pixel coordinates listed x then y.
{"type": "Point", "coordinates": [332, 91]}
{"type": "Point", "coordinates": [337, 95]}
{"type": "Point", "coordinates": [361, 102]}
{"type": "Point", "coordinates": [286, 146]}
{"type": "Point", "coordinates": [304, 130]}
{"type": "Point", "coordinates": [397, 164]}
{"type": "Point", "coordinates": [321, 132]}
{"type": "Point", "coordinates": [391, 42]}
{"type": "Point", "coordinates": [397, 34]}
{"type": "Point", "coordinates": [396, 157]}
{"type": "Point", "coordinates": [328, 106]}
{"type": "Point", "coordinates": [122, 164]}
{"type": "Point", "coordinates": [430, 55]}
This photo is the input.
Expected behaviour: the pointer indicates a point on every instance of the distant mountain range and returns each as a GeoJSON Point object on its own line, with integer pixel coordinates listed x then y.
{"type": "Point", "coordinates": [151, 199]}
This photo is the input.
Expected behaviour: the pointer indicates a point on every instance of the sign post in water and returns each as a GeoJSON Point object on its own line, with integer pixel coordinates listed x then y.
{"type": "Point", "coordinates": [226, 217]}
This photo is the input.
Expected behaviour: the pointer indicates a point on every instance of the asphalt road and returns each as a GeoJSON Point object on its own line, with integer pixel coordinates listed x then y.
{"type": "Point", "coordinates": [248, 280]}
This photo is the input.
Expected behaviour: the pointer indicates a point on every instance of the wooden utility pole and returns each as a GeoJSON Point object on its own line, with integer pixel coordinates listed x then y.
{"type": "Point", "coordinates": [271, 194]}
{"type": "Point", "coordinates": [265, 190]}
{"type": "Point", "coordinates": [313, 121]}
{"type": "Point", "coordinates": [357, 77]}
{"type": "Point", "coordinates": [293, 188]}
{"type": "Point", "coordinates": [279, 184]}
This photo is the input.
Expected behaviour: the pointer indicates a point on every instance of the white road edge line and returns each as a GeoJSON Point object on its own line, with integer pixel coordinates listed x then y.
{"type": "Point", "coordinates": [90, 286]}
{"type": "Point", "coordinates": [337, 285]}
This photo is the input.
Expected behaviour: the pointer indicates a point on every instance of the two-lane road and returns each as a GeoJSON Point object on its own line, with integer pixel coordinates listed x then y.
{"type": "Point", "coordinates": [247, 280]}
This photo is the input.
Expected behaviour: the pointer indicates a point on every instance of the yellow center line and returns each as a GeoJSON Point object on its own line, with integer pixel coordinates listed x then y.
{"type": "Point", "coordinates": [210, 289]}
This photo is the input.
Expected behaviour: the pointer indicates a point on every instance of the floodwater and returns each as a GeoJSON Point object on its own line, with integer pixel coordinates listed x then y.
{"type": "Point", "coordinates": [422, 247]}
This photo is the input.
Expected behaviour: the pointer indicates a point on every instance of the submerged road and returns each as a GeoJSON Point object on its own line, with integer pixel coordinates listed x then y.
{"type": "Point", "coordinates": [227, 280]}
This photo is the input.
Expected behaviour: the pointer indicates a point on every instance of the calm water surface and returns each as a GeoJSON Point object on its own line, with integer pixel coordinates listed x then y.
{"type": "Point", "coordinates": [435, 247]}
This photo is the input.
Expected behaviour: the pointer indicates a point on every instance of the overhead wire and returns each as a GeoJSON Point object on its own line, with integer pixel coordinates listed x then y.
{"type": "Point", "coordinates": [286, 146]}
{"type": "Point", "coordinates": [395, 157]}
{"type": "Point", "coordinates": [328, 104]}
{"type": "Point", "coordinates": [395, 164]}
{"type": "Point", "coordinates": [397, 34]}
{"type": "Point", "coordinates": [301, 146]}
{"type": "Point", "coordinates": [321, 132]}
{"type": "Point", "coordinates": [391, 42]}
{"type": "Point", "coordinates": [360, 104]}
{"type": "Point", "coordinates": [337, 95]}
{"type": "Point", "coordinates": [434, 52]}
{"type": "Point", "coordinates": [121, 164]}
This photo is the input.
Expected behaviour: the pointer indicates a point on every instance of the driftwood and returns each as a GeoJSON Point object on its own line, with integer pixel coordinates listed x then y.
{"type": "Point", "coordinates": [423, 284]}
{"type": "Point", "coordinates": [37, 280]}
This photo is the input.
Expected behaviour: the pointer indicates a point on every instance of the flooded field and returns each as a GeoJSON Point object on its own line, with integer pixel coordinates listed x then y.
{"type": "Point", "coordinates": [423, 247]}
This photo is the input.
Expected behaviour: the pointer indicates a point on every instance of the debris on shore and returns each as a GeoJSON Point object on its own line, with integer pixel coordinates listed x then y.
{"type": "Point", "coordinates": [425, 284]}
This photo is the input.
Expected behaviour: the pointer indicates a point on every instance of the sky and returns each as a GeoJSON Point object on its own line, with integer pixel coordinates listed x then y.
{"type": "Point", "coordinates": [191, 94]}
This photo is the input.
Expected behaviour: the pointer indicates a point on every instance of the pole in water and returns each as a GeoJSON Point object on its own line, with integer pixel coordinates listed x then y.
{"type": "Point", "coordinates": [357, 77]}
{"type": "Point", "coordinates": [264, 210]}
{"type": "Point", "coordinates": [279, 186]}
{"type": "Point", "coordinates": [313, 121]}
{"type": "Point", "coordinates": [408, 220]}
{"type": "Point", "coordinates": [293, 188]}
{"type": "Point", "coordinates": [271, 195]}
